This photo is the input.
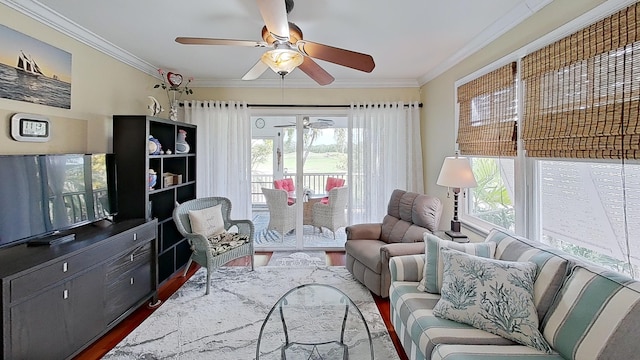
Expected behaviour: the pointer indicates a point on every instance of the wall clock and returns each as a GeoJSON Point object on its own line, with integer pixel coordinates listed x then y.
{"type": "Point", "coordinates": [30, 127]}
{"type": "Point", "coordinates": [259, 123]}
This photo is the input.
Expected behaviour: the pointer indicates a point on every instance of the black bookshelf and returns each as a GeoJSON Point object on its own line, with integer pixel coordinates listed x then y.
{"type": "Point", "coordinates": [136, 199]}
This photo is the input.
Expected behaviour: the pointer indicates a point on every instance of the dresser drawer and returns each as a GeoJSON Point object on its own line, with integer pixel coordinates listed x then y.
{"type": "Point", "coordinates": [33, 282]}
{"type": "Point", "coordinates": [62, 269]}
{"type": "Point", "coordinates": [131, 259]}
{"type": "Point", "coordinates": [139, 235]}
{"type": "Point", "coordinates": [127, 290]}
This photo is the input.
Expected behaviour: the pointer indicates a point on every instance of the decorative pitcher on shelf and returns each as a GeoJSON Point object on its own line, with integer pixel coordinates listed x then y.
{"type": "Point", "coordinates": [182, 147]}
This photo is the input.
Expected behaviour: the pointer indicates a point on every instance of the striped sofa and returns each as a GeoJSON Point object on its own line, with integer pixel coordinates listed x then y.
{"type": "Point", "coordinates": [585, 311]}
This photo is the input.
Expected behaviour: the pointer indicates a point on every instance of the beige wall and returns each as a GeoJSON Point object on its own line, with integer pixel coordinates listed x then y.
{"type": "Point", "coordinates": [101, 87]}
{"type": "Point", "coordinates": [438, 114]}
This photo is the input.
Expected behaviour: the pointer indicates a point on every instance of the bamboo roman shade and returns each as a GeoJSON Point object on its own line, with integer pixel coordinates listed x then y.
{"type": "Point", "coordinates": [487, 119]}
{"type": "Point", "coordinates": [581, 93]}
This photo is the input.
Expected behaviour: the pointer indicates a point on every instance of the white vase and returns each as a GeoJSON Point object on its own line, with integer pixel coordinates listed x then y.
{"type": "Point", "coordinates": [182, 147]}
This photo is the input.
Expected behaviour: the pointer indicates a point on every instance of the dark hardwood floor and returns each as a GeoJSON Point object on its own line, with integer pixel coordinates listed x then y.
{"type": "Point", "coordinates": [98, 349]}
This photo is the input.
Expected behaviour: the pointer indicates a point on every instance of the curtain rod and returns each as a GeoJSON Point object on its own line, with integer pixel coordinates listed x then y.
{"type": "Point", "coordinates": [333, 106]}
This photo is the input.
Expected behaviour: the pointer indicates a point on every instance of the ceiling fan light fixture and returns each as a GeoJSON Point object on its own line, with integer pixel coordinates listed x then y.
{"type": "Point", "coordinates": [282, 60]}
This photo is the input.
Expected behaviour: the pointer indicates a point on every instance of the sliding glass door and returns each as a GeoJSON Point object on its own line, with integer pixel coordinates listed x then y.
{"type": "Point", "coordinates": [300, 154]}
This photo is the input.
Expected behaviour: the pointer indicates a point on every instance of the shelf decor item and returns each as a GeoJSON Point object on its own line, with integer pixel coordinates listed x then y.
{"type": "Point", "coordinates": [154, 146]}
{"type": "Point", "coordinates": [174, 91]}
{"type": "Point", "coordinates": [153, 178]}
{"type": "Point", "coordinates": [182, 147]}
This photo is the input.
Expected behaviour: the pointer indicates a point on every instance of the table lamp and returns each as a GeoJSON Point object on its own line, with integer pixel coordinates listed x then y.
{"type": "Point", "coordinates": [456, 174]}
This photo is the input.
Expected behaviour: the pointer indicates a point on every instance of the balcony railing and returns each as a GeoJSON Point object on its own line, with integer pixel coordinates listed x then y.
{"type": "Point", "coordinates": [314, 181]}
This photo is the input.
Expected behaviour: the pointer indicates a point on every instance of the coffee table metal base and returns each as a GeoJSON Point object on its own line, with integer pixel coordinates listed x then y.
{"type": "Point", "coordinates": [314, 322]}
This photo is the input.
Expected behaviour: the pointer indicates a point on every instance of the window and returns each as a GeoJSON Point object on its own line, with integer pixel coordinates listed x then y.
{"type": "Point", "coordinates": [491, 201]}
{"type": "Point", "coordinates": [578, 167]}
{"type": "Point", "coordinates": [582, 211]}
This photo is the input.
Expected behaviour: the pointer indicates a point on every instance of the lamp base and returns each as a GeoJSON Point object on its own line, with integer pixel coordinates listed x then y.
{"type": "Point", "coordinates": [455, 226]}
{"type": "Point", "coordinates": [455, 234]}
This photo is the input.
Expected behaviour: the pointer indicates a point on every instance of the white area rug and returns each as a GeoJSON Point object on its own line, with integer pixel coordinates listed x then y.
{"type": "Point", "coordinates": [295, 258]}
{"type": "Point", "coordinates": [225, 324]}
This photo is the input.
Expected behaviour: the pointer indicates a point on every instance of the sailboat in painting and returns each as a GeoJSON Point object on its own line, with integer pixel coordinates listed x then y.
{"type": "Point", "coordinates": [28, 65]}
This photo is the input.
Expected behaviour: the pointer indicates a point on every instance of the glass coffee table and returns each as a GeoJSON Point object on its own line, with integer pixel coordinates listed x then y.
{"type": "Point", "coordinates": [313, 322]}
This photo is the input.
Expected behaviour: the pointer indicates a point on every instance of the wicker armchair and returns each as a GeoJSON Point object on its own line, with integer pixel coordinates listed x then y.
{"type": "Point", "coordinates": [332, 215]}
{"type": "Point", "coordinates": [202, 251]}
{"type": "Point", "coordinates": [282, 216]}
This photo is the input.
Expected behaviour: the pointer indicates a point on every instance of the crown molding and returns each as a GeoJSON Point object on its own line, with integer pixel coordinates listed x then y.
{"type": "Point", "coordinates": [514, 17]}
{"type": "Point", "coordinates": [55, 20]}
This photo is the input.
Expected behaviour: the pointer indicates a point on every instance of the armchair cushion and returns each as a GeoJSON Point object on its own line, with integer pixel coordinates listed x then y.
{"type": "Point", "coordinates": [221, 243]}
{"type": "Point", "coordinates": [207, 222]}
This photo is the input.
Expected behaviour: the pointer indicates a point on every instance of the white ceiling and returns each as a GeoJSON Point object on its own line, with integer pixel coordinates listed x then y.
{"type": "Point", "coordinates": [411, 41]}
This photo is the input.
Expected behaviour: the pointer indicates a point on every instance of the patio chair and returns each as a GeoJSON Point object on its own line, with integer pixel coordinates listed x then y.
{"type": "Point", "coordinates": [332, 182]}
{"type": "Point", "coordinates": [332, 215]}
{"type": "Point", "coordinates": [282, 215]}
{"type": "Point", "coordinates": [286, 185]}
{"type": "Point", "coordinates": [220, 249]}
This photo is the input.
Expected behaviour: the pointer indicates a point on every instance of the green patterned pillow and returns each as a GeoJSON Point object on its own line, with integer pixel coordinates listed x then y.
{"type": "Point", "coordinates": [491, 295]}
{"type": "Point", "coordinates": [432, 274]}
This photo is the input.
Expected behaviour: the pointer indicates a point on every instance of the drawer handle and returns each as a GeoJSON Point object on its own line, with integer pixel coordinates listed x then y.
{"type": "Point", "coordinates": [135, 236]}
{"type": "Point", "coordinates": [131, 281]}
{"type": "Point", "coordinates": [65, 267]}
{"type": "Point", "coordinates": [131, 257]}
{"type": "Point", "coordinates": [65, 294]}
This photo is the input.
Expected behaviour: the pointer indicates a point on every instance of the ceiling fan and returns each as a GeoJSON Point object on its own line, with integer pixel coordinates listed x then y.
{"type": "Point", "coordinates": [318, 124]}
{"type": "Point", "coordinates": [288, 49]}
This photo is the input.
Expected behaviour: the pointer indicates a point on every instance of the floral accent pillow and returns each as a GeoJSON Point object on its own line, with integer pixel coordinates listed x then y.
{"type": "Point", "coordinates": [491, 295]}
{"type": "Point", "coordinates": [432, 274]}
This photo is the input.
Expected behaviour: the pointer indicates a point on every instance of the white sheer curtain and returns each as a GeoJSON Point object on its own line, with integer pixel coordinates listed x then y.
{"type": "Point", "coordinates": [224, 152]}
{"type": "Point", "coordinates": [386, 154]}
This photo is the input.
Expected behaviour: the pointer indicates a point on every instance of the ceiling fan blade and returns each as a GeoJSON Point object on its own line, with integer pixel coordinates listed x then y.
{"type": "Point", "coordinates": [348, 58]}
{"type": "Point", "coordinates": [319, 125]}
{"type": "Point", "coordinates": [211, 41]}
{"type": "Point", "coordinates": [255, 71]}
{"type": "Point", "coordinates": [314, 71]}
{"type": "Point", "coordinates": [274, 14]}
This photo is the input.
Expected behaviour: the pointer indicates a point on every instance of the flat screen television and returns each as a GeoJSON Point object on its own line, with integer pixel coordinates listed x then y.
{"type": "Point", "coordinates": [41, 195]}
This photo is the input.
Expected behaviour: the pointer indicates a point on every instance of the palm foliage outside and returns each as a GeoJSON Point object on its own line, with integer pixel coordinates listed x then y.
{"type": "Point", "coordinates": [490, 200]}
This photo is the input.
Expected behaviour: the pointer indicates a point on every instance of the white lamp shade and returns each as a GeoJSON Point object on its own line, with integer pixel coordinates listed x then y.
{"type": "Point", "coordinates": [456, 173]}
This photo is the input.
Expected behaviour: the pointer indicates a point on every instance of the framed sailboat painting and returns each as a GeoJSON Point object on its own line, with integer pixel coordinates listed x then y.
{"type": "Point", "coordinates": [33, 71]}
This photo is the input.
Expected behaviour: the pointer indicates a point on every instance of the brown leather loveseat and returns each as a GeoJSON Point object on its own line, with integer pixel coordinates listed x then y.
{"type": "Point", "coordinates": [370, 246]}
